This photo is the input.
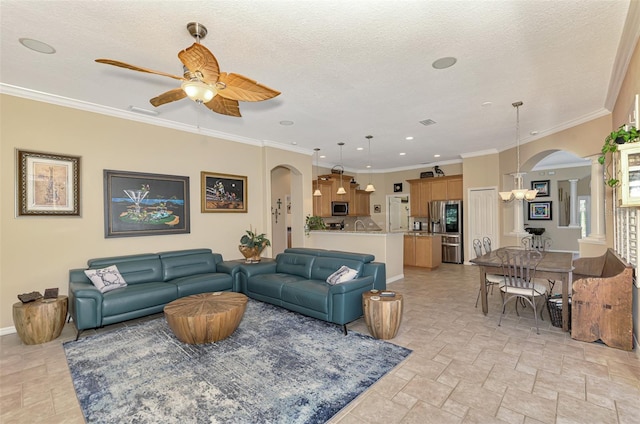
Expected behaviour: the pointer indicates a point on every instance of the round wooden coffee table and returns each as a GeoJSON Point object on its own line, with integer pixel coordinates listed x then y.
{"type": "Point", "coordinates": [40, 321]}
{"type": "Point", "coordinates": [383, 315]}
{"type": "Point", "coordinates": [206, 317]}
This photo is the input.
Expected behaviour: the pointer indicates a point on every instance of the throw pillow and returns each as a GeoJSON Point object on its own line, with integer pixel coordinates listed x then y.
{"type": "Point", "coordinates": [106, 279]}
{"type": "Point", "coordinates": [343, 274]}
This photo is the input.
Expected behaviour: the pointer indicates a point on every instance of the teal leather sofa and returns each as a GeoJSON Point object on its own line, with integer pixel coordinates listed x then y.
{"type": "Point", "coordinates": [296, 280]}
{"type": "Point", "coordinates": [153, 280]}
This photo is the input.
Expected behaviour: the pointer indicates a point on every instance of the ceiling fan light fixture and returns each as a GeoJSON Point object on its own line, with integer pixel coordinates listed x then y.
{"type": "Point", "coordinates": [198, 91]}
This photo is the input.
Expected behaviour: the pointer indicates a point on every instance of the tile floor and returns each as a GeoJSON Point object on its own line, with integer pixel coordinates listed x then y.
{"type": "Point", "coordinates": [464, 368]}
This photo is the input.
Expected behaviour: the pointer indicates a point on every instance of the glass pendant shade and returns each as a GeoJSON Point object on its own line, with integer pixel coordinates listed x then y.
{"type": "Point", "coordinates": [518, 193]}
{"type": "Point", "coordinates": [341, 190]}
{"type": "Point", "coordinates": [198, 91]}
{"type": "Point", "coordinates": [317, 193]}
{"type": "Point", "coordinates": [370, 188]}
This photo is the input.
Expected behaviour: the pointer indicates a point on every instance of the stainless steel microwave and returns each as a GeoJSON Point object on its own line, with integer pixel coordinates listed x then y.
{"type": "Point", "coordinates": [339, 208]}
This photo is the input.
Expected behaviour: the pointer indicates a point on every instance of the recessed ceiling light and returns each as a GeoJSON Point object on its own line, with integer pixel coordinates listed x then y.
{"type": "Point", "coordinates": [402, 154]}
{"type": "Point", "coordinates": [37, 46]}
{"type": "Point", "coordinates": [444, 62]}
{"type": "Point", "coordinates": [360, 148]}
{"type": "Point", "coordinates": [487, 104]}
{"type": "Point", "coordinates": [436, 156]}
{"type": "Point", "coordinates": [295, 143]}
{"type": "Point", "coordinates": [368, 166]}
{"type": "Point", "coordinates": [534, 132]}
{"type": "Point", "coordinates": [323, 156]}
{"type": "Point", "coordinates": [409, 138]}
{"type": "Point", "coordinates": [286, 122]}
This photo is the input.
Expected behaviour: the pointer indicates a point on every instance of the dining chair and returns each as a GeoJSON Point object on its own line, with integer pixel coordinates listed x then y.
{"type": "Point", "coordinates": [490, 279]}
{"type": "Point", "coordinates": [542, 244]}
{"type": "Point", "coordinates": [519, 269]}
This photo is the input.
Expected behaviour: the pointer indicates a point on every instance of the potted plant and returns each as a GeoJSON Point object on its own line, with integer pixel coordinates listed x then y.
{"type": "Point", "coordinates": [315, 222]}
{"type": "Point", "coordinates": [252, 244]}
{"type": "Point", "coordinates": [624, 134]}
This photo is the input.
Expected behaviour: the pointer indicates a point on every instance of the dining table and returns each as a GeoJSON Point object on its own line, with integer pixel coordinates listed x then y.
{"type": "Point", "coordinates": [555, 266]}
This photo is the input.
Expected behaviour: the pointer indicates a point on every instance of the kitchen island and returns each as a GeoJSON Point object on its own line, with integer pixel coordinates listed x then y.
{"type": "Point", "coordinates": [386, 247]}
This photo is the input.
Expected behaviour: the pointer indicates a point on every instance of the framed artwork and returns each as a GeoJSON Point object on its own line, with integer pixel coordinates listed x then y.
{"type": "Point", "coordinates": [540, 211]}
{"type": "Point", "coordinates": [223, 192]}
{"type": "Point", "coordinates": [397, 187]}
{"type": "Point", "coordinates": [139, 204]}
{"type": "Point", "coordinates": [542, 187]}
{"type": "Point", "coordinates": [48, 184]}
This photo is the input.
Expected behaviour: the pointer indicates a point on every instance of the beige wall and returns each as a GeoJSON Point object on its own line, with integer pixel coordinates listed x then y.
{"type": "Point", "coordinates": [37, 252]}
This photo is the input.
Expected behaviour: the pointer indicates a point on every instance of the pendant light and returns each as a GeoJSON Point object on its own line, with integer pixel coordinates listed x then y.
{"type": "Point", "coordinates": [317, 192]}
{"type": "Point", "coordinates": [341, 190]}
{"type": "Point", "coordinates": [518, 193]}
{"type": "Point", "coordinates": [370, 188]}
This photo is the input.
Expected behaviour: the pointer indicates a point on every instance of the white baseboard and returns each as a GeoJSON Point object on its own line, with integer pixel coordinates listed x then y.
{"type": "Point", "coordinates": [395, 278]}
{"type": "Point", "coordinates": [7, 330]}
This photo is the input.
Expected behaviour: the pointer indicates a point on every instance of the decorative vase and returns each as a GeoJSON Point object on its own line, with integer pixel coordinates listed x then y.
{"type": "Point", "coordinates": [251, 254]}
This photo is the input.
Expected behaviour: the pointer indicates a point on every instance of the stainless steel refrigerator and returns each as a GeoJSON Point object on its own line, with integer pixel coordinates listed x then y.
{"type": "Point", "coordinates": [446, 219]}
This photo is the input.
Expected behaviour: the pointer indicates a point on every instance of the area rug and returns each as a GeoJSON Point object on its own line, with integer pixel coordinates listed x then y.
{"type": "Point", "coordinates": [277, 367]}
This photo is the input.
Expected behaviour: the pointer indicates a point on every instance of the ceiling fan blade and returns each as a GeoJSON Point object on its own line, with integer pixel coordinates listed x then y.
{"type": "Point", "coordinates": [198, 58]}
{"type": "Point", "coordinates": [224, 106]}
{"type": "Point", "coordinates": [168, 97]}
{"type": "Point", "coordinates": [137, 68]}
{"type": "Point", "coordinates": [239, 87]}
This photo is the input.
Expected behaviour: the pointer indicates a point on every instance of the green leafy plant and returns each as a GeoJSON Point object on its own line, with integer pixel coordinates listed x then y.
{"type": "Point", "coordinates": [314, 222]}
{"type": "Point", "coordinates": [624, 134]}
{"type": "Point", "coordinates": [252, 239]}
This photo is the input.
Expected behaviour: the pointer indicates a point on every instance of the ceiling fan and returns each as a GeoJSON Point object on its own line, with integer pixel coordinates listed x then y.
{"type": "Point", "coordinates": [203, 82]}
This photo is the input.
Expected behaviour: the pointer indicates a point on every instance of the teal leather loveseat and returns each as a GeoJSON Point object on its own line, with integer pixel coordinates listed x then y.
{"type": "Point", "coordinates": [153, 280]}
{"type": "Point", "coordinates": [296, 280]}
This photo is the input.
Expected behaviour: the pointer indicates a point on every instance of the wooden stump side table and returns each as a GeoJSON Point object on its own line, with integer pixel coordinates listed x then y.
{"type": "Point", "coordinates": [206, 317]}
{"type": "Point", "coordinates": [383, 315]}
{"type": "Point", "coordinates": [40, 321]}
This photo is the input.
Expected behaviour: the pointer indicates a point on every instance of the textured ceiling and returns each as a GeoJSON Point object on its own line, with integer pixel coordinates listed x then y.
{"type": "Point", "coordinates": [346, 69]}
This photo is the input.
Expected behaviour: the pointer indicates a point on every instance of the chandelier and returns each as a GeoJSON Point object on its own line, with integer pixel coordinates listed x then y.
{"type": "Point", "coordinates": [518, 193]}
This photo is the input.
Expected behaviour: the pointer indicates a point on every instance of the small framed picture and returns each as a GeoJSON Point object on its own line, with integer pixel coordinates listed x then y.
{"type": "Point", "coordinates": [542, 187]}
{"type": "Point", "coordinates": [397, 187]}
{"type": "Point", "coordinates": [48, 184]}
{"type": "Point", "coordinates": [223, 192]}
{"type": "Point", "coordinates": [540, 211]}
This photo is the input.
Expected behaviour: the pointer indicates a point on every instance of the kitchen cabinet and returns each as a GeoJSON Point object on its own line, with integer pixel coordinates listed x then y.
{"type": "Point", "coordinates": [360, 205]}
{"type": "Point", "coordinates": [420, 197]}
{"type": "Point", "coordinates": [328, 184]}
{"type": "Point", "coordinates": [425, 190]}
{"type": "Point", "coordinates": [322, 204]}
{"type": "Point", "coordinates": [423, 250]}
